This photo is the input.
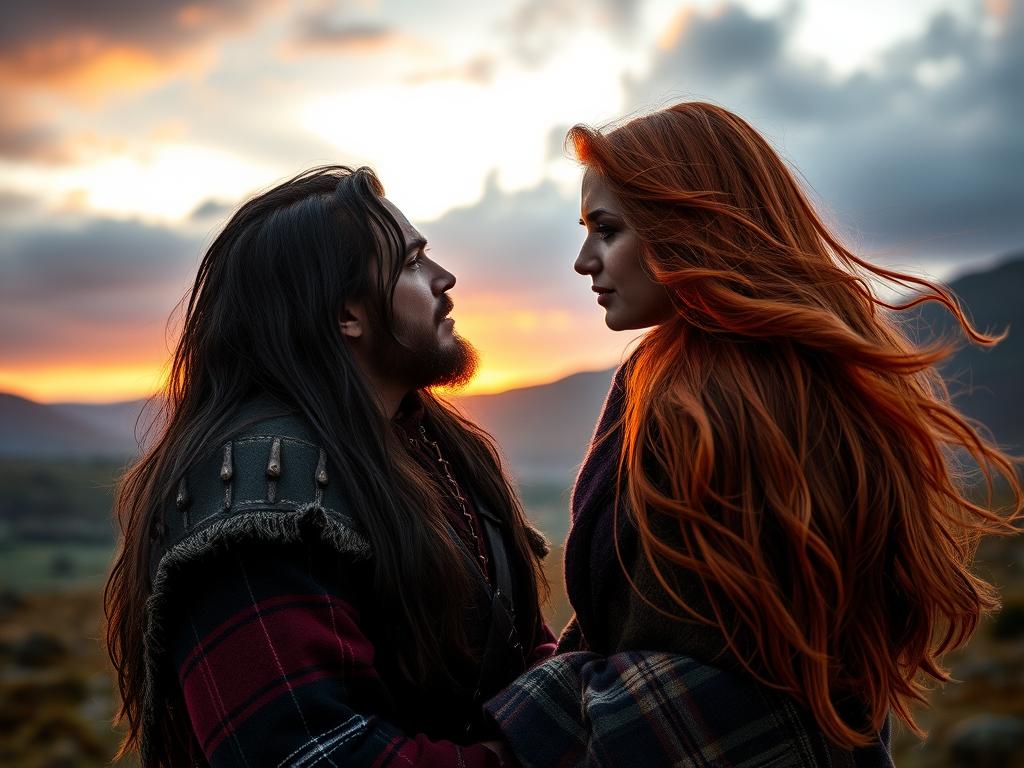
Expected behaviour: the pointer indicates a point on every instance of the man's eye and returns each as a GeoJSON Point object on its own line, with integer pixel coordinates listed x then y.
{"type": "Point", "coordinates": [415, 262]}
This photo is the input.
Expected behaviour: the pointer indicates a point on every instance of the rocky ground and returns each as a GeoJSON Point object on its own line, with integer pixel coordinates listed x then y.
{"type": "Point", "coordinates": [56, 697]}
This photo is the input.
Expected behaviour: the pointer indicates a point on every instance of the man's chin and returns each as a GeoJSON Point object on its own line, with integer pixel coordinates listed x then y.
{"type": "Point", "coordinates": [457, 366]}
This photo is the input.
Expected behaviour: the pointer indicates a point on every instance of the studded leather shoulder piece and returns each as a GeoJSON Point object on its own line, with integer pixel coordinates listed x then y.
{"type": "Point", "coordinates": [267, 482]}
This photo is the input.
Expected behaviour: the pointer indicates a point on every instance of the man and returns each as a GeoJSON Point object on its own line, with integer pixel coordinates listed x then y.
{"type": "Point", "coordinates": [321, 562]}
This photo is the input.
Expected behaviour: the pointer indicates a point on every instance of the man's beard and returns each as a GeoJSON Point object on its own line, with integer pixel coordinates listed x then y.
{"type": "Point", "coordinates": [419, 360]}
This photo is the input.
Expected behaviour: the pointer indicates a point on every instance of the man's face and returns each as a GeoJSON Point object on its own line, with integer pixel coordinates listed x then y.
{"type": "Point", "coordinates": [427, 352]}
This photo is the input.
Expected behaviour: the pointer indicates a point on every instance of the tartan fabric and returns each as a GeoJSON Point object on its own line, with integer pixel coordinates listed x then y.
{"type": "Point", "coordinates": [275, 670]}
{"type": "Point", "coordinates": [656, 709]}
{"type": "Point", "coordinates": [264, 634]}
{"type": "Point", "coordinates": [658, 691]}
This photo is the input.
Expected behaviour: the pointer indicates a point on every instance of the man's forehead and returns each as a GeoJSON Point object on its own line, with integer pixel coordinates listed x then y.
{"type": "Point", "coordinates": [409, 232]}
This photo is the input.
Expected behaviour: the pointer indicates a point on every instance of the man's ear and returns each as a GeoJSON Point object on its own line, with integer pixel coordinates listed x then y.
{"type": "Point", "coordinates": [352, 320]}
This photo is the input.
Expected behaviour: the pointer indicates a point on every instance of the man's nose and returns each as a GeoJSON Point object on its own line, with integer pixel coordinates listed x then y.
{"type": "Point", "coordinates": [443, 281]}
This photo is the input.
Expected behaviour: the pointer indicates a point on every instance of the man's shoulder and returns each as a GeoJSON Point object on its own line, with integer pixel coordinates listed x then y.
{"type": "Point", "coordinates": [271, 480]}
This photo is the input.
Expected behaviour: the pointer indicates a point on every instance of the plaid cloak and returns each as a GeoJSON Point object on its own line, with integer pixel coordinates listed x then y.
{"type": "Point", "coordinates": [658, 709]}
{"type": "Point", "coordinates": [276, 669]}
{"type": "Point", "coordinates": [264, 635]}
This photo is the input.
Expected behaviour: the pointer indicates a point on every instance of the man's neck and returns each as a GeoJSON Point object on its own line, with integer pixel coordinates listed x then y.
{"type": "Point", "coordinates": [388, 397]}
{"type": "Point", "coordinates": [387, 394]}
{"type": "Point", "coordinates": [385, 390]}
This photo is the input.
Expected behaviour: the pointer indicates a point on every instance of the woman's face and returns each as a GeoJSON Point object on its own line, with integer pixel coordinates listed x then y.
{"type": "Point", "coordinates": [611, 255]}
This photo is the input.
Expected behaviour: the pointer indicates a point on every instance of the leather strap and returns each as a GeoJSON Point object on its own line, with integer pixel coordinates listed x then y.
{"type": "Point", "coordinates": [499, 557]}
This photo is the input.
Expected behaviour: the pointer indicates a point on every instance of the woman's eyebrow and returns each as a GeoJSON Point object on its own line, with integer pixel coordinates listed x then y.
{"type": "Point", "coordinates": [596, 213]}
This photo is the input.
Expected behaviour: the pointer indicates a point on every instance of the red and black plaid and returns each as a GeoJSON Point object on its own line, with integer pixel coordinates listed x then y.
{"type": "Point", "coordinates": [275, 669]}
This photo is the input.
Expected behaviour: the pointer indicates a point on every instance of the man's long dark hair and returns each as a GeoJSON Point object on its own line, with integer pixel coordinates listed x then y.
{"type": "Point", "coordinates": [262, 321]}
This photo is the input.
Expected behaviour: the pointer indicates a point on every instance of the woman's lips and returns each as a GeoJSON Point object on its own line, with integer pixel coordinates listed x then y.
{"type": "Point", "coordinates": [604, 295]}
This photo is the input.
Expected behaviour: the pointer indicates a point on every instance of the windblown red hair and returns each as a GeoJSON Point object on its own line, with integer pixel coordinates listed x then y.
{"type": "Point", "coordinates": [806, 448]}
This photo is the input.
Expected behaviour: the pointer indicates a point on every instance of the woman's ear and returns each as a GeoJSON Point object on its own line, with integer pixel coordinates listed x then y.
{"type": "Point", "coordinates": [352, 320]}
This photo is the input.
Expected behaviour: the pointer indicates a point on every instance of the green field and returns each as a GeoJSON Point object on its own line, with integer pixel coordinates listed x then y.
{"type": "Point", "coordinates": [47, 567]}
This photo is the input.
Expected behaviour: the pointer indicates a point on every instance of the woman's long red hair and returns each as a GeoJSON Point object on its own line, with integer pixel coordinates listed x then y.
{"type": "Point", "coordinates": [805, 448]}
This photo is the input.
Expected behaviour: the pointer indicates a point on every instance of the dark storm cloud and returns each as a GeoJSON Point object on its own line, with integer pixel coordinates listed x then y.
{"type": "Point", "coordinates": [102, 253]}
{"type": "Point", "coordinates": [921, 154]}
{"type": "Point", "coordinates": [88, 49]}
{"type": "Point", "coordinates": [154, 22]}
{"type": "Point", "coordinates": [96, 281]}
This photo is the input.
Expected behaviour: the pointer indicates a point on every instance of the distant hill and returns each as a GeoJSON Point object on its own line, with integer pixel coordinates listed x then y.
{"type": "Point", "coordinates": [544, 430]}
{"type": "Point", "coordinates": [987, 383]}
{"type": "Point", "coordinates": [30, 429]}
{"type": "Point", "coordinates": [118, 418]}
{"type": "Point", "coordinates": [521, 420]}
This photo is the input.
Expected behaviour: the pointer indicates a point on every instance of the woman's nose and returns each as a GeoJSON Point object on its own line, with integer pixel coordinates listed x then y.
{"type": "Point", "coordinates": [587, 263]}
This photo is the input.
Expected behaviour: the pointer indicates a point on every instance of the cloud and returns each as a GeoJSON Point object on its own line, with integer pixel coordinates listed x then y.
{"type": "Point", "coordinates": [85, 291]}
{"type": "Point", "coordinates": [521, 244]}
{"type": "Point", "coordinates": [517, 297]}
{"type": "Point", "coordinates": [15, 204]}
{"type": "Point", "coordinates": [210, 209]}
{"type": "Point", "coordinates": [918, 156]}
{"type": "Point", "coordinates": [87, 50]}
{"type": "Point", "coordinates": [556, 148]}
{"type": "Point", "coordinates": [479, 69]}
{"type": "Point", "coordinates": [164, 24]}
{"type": "Point", "coordinates": [37, 143]}
{"type": "Point", "coordinates": [321, 33]}
{"type": "Point", "coordinates": [101, 292]}
{"type": "Point", "coordinates": [536, 28]}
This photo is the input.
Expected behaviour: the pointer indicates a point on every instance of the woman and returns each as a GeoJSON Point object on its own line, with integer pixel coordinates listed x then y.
{"type": "Point", "coordinates": [771, 508]}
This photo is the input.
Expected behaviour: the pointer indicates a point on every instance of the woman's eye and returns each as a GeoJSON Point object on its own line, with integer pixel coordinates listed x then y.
{"type": "Point", "coordinates": [605, 232]}
{"type": "Point", "coordinates": [415, 262]}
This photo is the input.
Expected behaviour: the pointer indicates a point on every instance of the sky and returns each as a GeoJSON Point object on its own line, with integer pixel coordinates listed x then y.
{"type": "Point", "coordinates": [130, 132]}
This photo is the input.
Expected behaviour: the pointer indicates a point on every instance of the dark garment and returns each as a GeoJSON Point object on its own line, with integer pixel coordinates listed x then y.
{"type": "Point", "coordinates": [654, 709]}
{"type": "Point", "coordinates": [275, 666]}
{"type": "Point", "coordinates": [652, 689]}
{"type": "Point", "coordinates": [610, 615]}
{"type": "Point", "coordinates": [260, 559]}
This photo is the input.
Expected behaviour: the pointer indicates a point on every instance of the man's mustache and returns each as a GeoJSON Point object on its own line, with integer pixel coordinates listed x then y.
{"type": "Point", "coordinates": [447, 305]}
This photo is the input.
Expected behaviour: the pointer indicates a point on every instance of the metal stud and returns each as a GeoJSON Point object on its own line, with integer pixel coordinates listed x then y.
{"type": "Point", "coordinates": [274, 465]}
{"type": "Point", "coordinates": [226, 467]}
{"type": "Point", "coordinates": [321, 469]}
{"type": "Point", "coordinates": [181, 500]}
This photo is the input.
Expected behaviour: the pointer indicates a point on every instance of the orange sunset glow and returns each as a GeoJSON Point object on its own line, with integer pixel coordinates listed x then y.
{"type": "Point", "coordinates": [127, 139]}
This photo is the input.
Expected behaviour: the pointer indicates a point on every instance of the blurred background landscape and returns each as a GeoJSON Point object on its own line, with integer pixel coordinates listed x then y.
{"type": "Point", "coordinates": [130, 132]}
{"type": "Point", "coordinates": [58, 464]}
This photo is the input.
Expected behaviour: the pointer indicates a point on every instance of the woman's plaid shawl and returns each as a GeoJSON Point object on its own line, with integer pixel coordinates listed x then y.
{"type": "Point", "coordinates": [658, 692]}
{"type": "Point", "coordinates": [658, 709]}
